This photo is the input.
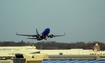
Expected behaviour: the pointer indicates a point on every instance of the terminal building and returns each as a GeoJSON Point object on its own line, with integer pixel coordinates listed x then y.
{"type": "Point", "coordinates": [8, 52]}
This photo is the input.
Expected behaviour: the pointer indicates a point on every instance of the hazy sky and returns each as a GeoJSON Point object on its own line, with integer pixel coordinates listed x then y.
{"type": "Point", "coordinates": [81, 20]}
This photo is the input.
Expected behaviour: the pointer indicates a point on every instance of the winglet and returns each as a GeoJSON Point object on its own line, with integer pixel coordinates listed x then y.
{"type": "Point", "coordinates": [16, 33]}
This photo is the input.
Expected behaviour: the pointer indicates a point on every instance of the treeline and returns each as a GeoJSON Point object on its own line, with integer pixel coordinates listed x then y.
{"type": "Point", "coordinates": [55, 45]}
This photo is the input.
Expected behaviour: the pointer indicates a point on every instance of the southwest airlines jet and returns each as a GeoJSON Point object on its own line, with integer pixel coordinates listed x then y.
{"type": "Point", "coordinates": [43, 35]}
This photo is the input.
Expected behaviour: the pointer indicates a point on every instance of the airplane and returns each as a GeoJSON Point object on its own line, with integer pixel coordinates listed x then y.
{"type": "Point", "coordinates": [43, 35]}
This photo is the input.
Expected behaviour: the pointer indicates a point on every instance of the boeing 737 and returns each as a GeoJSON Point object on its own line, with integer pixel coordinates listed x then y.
{"type": "Point", "coordinates": [43, 35]}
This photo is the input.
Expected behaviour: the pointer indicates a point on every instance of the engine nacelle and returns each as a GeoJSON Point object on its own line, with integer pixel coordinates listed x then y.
{"type": "Point", "coordinates": [51, 36]}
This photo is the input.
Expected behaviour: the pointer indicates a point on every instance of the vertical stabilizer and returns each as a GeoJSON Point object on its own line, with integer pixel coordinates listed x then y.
{"type": "Point", "coordinates": [37, 32]}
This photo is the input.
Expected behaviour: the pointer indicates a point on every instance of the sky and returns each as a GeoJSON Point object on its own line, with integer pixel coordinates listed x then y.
{"type": "Point", "coordinates": [81, 20]}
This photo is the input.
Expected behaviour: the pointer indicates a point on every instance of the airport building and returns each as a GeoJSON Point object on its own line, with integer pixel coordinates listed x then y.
{"type": "Point", "coordinates": [7, 52]}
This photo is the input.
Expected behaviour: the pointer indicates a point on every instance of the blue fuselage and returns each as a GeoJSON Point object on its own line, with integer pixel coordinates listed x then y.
{"type": "Point", "coordinates": [45, 33]}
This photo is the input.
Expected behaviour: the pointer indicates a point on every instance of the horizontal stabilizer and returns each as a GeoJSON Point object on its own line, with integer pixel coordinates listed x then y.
{"type": "Point", "coordinates": [31, 38]}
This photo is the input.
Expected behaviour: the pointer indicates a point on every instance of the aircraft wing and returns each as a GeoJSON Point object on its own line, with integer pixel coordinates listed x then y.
{"type": "Point", "coordinates": [59, 35]}
{"type": "Point", "coordinates": [56, 35]}
{"type": "Point", "coordinates": [26, 35]}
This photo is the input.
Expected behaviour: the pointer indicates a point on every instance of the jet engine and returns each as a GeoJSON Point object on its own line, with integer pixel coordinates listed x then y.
{"type": "Point", "coordinates": [51, 36]}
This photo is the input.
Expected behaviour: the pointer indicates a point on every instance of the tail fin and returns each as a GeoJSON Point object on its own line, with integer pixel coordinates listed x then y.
{"type": "Point", "coordinates": [37, 32]}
